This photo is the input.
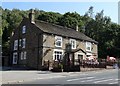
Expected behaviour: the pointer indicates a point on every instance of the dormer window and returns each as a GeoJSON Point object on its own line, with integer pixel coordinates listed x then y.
{"type": "Point", "coordinates": [73, 43]}
{"type": "Point", "coordinates": [58, 41]}
{"type": "Point", "coordinates": [24, 29]}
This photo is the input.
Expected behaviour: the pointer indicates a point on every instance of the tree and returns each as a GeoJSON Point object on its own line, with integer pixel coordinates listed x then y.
{"type": "Point", "coordinates": [50, 17]}
{"type": "Point", "coordinates": [71, 20]}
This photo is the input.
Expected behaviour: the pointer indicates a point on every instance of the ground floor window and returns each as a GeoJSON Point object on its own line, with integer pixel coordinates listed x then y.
{"type": "Point", "coordinates": [57, 54]}
{"type": "Point", "coordinates": [80, 57]}
{"type": "Point", "coordinates": [15, 57]}
{"type": "Point", "coordinates": [23, 55]}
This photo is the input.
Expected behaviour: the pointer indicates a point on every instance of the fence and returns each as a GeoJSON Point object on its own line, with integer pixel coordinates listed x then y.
{"type": "Point", "coordinates": [79, 65]}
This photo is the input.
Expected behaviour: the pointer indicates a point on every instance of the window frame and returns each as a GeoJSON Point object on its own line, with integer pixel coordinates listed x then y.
{"type": "Point", "coordinates": [61, 40]}
{"type": "Point", "coordinates": [23, 29]}
{"type": "Point", "coordinates": [15, 53]}
{"type": "Point", "coordinates": [88, 44]}
{"type": "Point", "coordinates": [25, 54]}
{"type": "Point", "coordinates": [57, 50]}
{"type": "Point", "coordinates": [23, 42]}
{"type": "Point", "coordinates": [15, 44]}
{"type": "Point", "coordinates": [71, 42]}
{"type": "Point", "coordinates": [20, 42]}
{"type": "Point", "coordinates": [22, 55]}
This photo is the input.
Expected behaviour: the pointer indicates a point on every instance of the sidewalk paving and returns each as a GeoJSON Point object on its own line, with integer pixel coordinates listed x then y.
{"type": "Point", "coordinates": [11, 77]}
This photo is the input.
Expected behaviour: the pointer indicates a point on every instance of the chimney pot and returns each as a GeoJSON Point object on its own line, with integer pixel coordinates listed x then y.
{"type": "Point", "coordinates": [77, 28]}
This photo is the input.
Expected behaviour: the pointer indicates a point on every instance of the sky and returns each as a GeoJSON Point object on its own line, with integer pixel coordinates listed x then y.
{"type": "Point", "coordinates": [110, 8]}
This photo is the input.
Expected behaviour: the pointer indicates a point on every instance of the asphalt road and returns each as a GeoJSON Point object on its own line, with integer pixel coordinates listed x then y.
{"type": "Point", "coordinates": [91, 77]}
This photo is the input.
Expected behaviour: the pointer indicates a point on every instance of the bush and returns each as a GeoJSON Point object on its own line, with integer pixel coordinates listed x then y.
{"type": "Point", "coordinates": [57, 67]}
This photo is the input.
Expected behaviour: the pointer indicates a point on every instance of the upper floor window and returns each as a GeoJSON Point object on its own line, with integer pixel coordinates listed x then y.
{"type": "Point", "coordinates": [88, 46]}
{"type": "Point", "coordinates": [58, 41]}
{"type": "Point", "coordinates": [23, 42]}
{"type": "Point", "coordinates": [73, 43]}
{"type": "Point", "coordinates": [15, 44]}
{"type": "Point", "coordinates": [24, 29]}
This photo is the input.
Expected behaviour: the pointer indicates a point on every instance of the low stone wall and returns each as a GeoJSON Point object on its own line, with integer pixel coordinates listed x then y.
{"type": "Point", "coordinates": [94, 69]}
{"type": "Point", "coordinates": [90, 69]}
{"type": "Point", "coordinates": [109, 67]}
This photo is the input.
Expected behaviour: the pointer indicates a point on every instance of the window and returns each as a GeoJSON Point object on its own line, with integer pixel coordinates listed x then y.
{"type": "Point", "coordinates": [57, 55]}
{"type": "Point", "coordinates": [20, 41]}
{"type": "Point", "coordinates": [24, 29]}
{"type": "Point", "coordinates": [58, 41]}
{"type": "Point", "coordinates": [23, 43]}
{"type": "Point", "coordinates": [14, 58]}
{"type": "Point", "coordinates": [23, 55]}
{"type": "Point", "coordinates": [80, 57]}
{"type": "Point", "coordinates": [15, 44]}
{"type": "Point", "coordinates": [88, 46]}
{"type": "Point", "coordinates": [73, 43]}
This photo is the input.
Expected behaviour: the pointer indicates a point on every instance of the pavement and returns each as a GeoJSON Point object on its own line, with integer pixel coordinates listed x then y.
{"type": "Point", "coordinates": [10, 77]}
{"type": "Point", "coordinates": [104, 78]}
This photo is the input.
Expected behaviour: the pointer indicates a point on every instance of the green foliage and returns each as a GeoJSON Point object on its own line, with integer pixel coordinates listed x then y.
{"type": "Point", "coordinates": [99, 28]}
{"type": "Point", "coordinates": [106, 33]}
{"type": "Point", "coordinates": [50, 17]}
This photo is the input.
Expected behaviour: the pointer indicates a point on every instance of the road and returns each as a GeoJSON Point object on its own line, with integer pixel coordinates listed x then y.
{"type": "Point", "coordinates": [91, 77]}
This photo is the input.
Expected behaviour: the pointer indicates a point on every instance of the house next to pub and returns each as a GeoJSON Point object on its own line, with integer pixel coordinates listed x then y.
{"type": "Point", "coordinates": [36, 41]}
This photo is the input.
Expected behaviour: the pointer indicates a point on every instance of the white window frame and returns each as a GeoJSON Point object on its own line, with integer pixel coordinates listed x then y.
{"type": "Point", "coordinates": [25, 54]}
{"type": "Point", "coordinates": [24, 29]}
{"type": "Point", "coordinates": [73, 46]}
{"type": "Point", "coordinates": [15, 55]}
{"type": "Point", "coordinates": [20, 42]}
{"type": "Point", "coordinates": [22, 55]}
{"type": "Point", "coordinates": [57, 50]}
{"type": "Point", "coordinates": [15, 44]}
{"type": "Point", "coordinates": [59, 39]}
{"type": "Point", "coordinates": [23, 42]}
{"type": "Point", "coordinates": [88, 44]}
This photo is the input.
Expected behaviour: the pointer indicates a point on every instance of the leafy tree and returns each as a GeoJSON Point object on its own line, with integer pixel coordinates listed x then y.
{"type": "Point", "coordinates": [50, 17]}
{"type": "Point", "coordinates": [71, 20]}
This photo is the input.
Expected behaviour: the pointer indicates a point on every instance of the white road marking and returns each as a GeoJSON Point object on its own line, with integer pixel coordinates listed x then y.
{"type": "Point", "coordinates": [79, 79]}
{"type": "Point", "coordinates": [78, 74]}
{"type": "Point", "coordinates": [51, 77]}
{"type": "Point", "coordinates": [103, 80]}
{"type": "Point", "coordinates": [114, 83]}
{"type": "Point", "coordinates": [92, 80]}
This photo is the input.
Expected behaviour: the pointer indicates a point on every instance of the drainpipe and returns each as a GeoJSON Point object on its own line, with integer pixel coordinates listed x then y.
{"type": "Point", "coordinates": [38, 58]}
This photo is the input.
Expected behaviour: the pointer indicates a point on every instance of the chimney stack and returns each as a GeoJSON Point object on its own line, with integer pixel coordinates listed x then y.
{"type": "Point", "coordinates": [77, 28]}
{"type": "Point", "coordinates": [32, 16]}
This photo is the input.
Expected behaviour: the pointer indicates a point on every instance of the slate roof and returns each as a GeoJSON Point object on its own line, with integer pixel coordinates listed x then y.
{"type": "Point", "coordinates": [62, 31]}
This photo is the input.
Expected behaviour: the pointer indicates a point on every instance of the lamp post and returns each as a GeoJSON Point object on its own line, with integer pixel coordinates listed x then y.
{"type": "Point", "coordinates": [66, 64]}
